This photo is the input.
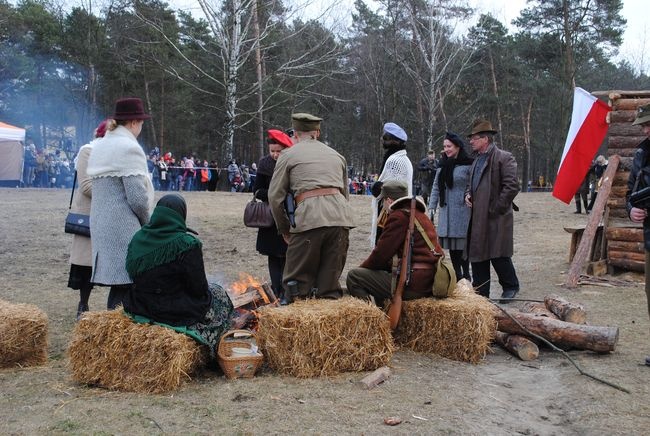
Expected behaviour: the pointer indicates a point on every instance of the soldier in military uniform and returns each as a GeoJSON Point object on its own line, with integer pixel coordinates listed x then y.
{"type": "Point", "coordinates": [373, 277]}
{"type": "Point", "coordinates": [318, 244]}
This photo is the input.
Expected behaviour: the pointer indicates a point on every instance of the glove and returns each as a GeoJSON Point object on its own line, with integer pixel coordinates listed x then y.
{"type": "Point", "coordinates": [376, 189]}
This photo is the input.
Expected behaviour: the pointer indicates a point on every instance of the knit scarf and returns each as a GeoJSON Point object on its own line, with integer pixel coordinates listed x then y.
{"type": "Point", "coordinates": [159, 242]}
{"type": "Point", "coordinates": [392, 149]}
{"type": "Point", "coordinates": [446, 175]}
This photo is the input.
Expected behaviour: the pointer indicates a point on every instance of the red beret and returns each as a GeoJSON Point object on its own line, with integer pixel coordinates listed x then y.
{"type": "Point", "coordinates": [279, 137]}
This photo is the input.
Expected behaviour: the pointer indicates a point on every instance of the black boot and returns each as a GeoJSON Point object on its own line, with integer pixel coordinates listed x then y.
{"type": "Point", "coordinates": [81, 308]}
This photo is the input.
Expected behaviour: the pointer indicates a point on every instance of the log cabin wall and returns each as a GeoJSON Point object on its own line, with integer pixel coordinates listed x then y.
{"type": "Point", "coordinates": [625, 249]}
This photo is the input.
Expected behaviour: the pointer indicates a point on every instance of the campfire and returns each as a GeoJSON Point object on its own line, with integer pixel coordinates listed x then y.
{"type": "Point", "coordinates": [247, 295]}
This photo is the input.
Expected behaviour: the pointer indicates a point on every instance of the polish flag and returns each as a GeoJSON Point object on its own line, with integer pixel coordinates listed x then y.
{"type": "Point", "coordinates": [586, 132]}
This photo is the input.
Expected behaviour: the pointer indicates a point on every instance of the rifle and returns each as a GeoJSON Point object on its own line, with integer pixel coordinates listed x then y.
{"type": "Point", "coordinates": [395, 310]}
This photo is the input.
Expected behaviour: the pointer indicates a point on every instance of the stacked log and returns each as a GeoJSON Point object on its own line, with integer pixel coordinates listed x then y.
{"type": "Point", "coordinates": [558, 321]}
{"type": "Point", "coordinates": [624, 239]}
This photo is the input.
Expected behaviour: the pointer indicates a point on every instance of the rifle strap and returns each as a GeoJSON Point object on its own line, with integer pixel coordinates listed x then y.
{"type": "Point", "coordinates": [407, 239]}
{"type": "Point", "coordinates": [437, 249]}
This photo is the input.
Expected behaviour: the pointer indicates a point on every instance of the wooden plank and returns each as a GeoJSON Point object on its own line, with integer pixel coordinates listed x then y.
{"type": "Point", "coordinates": [621, 177]}
{"type": "Point", "coordinates": [618, 213]}
{"type": "Point", "coordinates": [578, 263]}
{"type": "Point", "coordinates": [622, 116]}
{"type": "Point", "coordinates": [627, 255]}
{"type": "Point", "coordinates": [624, 129]}
{"type": "Point", "coordinates": [626, 93]}
{"type": "Point", "coordinates": [624, 142]}
{"type": "Point", "coordinates": [626, 264]}
{"type": "Point", "coordinates": [624, 104]}
{"type": "Point", "coordinates": [618, 191]}
{"type": "Point", "coordinates": [622, 223]}
{"type": "Point", "coordinates": [374, 378]}
{"type": "Point", "coordinates": [616, 203]}
{"type": "Point", "coordinates": [630, 234]}
{"type": "Point", "coordinates": [636, 247]}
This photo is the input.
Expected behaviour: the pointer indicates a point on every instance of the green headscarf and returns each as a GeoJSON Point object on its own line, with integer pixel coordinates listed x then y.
{"type": "Point", "coordinates": [161, 240]}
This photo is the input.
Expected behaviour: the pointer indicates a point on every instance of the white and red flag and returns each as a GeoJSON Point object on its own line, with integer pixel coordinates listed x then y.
{"type": "Point", "coordinates": [586, 132]}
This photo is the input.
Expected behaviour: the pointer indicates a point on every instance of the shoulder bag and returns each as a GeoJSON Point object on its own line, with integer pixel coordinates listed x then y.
{"type": "Point", "coordinates": [444, 281]}
{"type": "Point", "coordinates": [257, 214]}
{"type": "Point", "coordinates": [76, 223]}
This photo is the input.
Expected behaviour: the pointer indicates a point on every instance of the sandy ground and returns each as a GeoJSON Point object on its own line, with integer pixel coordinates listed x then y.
{"type": "Point", "coordinates": [432, 395]}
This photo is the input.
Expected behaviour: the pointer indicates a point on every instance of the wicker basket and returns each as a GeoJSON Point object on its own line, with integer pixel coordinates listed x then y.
{"type": "Point", "coordinates": [238, 366]}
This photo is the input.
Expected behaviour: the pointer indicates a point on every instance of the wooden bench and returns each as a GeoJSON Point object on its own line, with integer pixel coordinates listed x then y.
{"type": "Point", "coordinates": [597, 251]}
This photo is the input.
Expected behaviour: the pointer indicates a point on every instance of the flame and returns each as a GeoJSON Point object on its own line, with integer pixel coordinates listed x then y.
{"type": "Point", "coordinates": [245, 281]}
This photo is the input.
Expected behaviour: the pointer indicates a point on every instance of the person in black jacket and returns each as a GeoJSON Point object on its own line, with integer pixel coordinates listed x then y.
{"type": "Point", "coordinates": [639, 179]}
{"type": "Point", "coordinates": [269, 242]}
{"type": "Point", "coordinates": [169, 282]}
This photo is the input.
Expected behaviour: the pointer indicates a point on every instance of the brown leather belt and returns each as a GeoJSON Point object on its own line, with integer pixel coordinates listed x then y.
{"type": "Point", "coordinates": [422, 265]}
{"type": "Point", "coordinates": [316, 193]}
{"type": "Point", "coordinates": [418, 265]}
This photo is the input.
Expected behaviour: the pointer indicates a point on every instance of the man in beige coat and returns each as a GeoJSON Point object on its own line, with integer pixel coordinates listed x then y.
{"type": "Point", "coordinates": [318, 244]}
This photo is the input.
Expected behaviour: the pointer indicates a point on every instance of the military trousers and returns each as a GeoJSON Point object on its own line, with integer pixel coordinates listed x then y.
{"type": "Point", "coordinates": [315, 259]}
{"type": "Point", "coordinates": [364, 282]}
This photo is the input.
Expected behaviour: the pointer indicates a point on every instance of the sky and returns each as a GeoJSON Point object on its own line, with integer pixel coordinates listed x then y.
{"type": "Point", "coordinates": [636, 38]}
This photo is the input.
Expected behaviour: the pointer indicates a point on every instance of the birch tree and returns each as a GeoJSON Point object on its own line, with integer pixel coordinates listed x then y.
{"type": "Point", "coordinates": [246, 32]}
{"type": "Point", "coordinates": [437, 59]}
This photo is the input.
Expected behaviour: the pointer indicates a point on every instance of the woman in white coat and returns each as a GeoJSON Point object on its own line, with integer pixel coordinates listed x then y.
{"type": "Point", "coordinates": [122, 197]}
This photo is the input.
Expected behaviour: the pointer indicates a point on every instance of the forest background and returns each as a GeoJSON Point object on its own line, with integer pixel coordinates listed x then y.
{"type": "Point", "coordinates": [216, 78]}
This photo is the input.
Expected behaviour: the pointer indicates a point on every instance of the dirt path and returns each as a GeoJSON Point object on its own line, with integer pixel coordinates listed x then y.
{"type": "Point", "coordinates": [502, 395]}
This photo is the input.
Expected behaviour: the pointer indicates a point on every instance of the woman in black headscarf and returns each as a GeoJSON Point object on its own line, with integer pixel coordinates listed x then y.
{"type": "Point", "coordinates": [170, 286]}
{"type": "Point", "coordinates": [448, 191]}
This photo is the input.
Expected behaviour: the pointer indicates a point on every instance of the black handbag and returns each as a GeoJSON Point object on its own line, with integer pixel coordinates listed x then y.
{"type": "Point", "coordinates": [76, 223]}
{"type": "Point", "coordinates": [257, 214]}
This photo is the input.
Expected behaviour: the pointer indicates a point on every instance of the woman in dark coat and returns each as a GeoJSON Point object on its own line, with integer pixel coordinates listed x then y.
{"type": "Point", "coordinates": [269, 242]}
{"type": "Point", "coordinates": [170, 286]}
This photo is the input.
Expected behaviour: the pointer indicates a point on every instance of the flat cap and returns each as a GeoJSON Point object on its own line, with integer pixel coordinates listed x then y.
{"type": "Point", "coordinates": [642, 115]}
{"type": "Point", "coordinates": [305, 122]}
{"type": "Point", "coordinates": [394, 189]}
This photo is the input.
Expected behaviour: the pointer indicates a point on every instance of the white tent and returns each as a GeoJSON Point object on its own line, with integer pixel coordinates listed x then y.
{"type": "Point", "coordinates": [11, 154]}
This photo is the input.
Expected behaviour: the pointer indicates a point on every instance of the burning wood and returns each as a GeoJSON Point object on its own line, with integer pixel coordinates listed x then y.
{"type": "Point", "coordinates": [247, 295]}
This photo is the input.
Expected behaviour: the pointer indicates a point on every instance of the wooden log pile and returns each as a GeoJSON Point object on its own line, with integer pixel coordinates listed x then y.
{"type": "Point", "coordinates": [624, 238]}
{"type": "Point", "coordinates": [557, 320]}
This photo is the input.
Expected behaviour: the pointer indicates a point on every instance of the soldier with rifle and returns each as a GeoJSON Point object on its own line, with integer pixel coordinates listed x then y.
{"type": "Point", "coordinates": [415, 269]}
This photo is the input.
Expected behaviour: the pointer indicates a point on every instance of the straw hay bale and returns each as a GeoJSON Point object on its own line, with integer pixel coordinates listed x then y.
{"type": "Point", "coordinates": [325, 337]}
{"type": "Point", "coordinates": [108, 349]}
{"type": "Point", "coordinates": [23, 335]}
{"type": "Point", "coordinates": [460, 327]}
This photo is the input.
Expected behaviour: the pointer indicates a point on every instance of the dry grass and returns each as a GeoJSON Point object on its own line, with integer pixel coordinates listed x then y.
{"type": "Point", "coordinates": [108, 349]}
{"type": "Point", "coordinates": [325, 337]}
{"type": "Point", "coordinates": [460, 327]}
{"type": "Point", "coordinates": [23, 335]}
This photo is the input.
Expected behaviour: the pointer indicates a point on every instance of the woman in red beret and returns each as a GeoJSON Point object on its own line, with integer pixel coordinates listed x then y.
{"type": "Point", "coordinates": [269, 242]}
